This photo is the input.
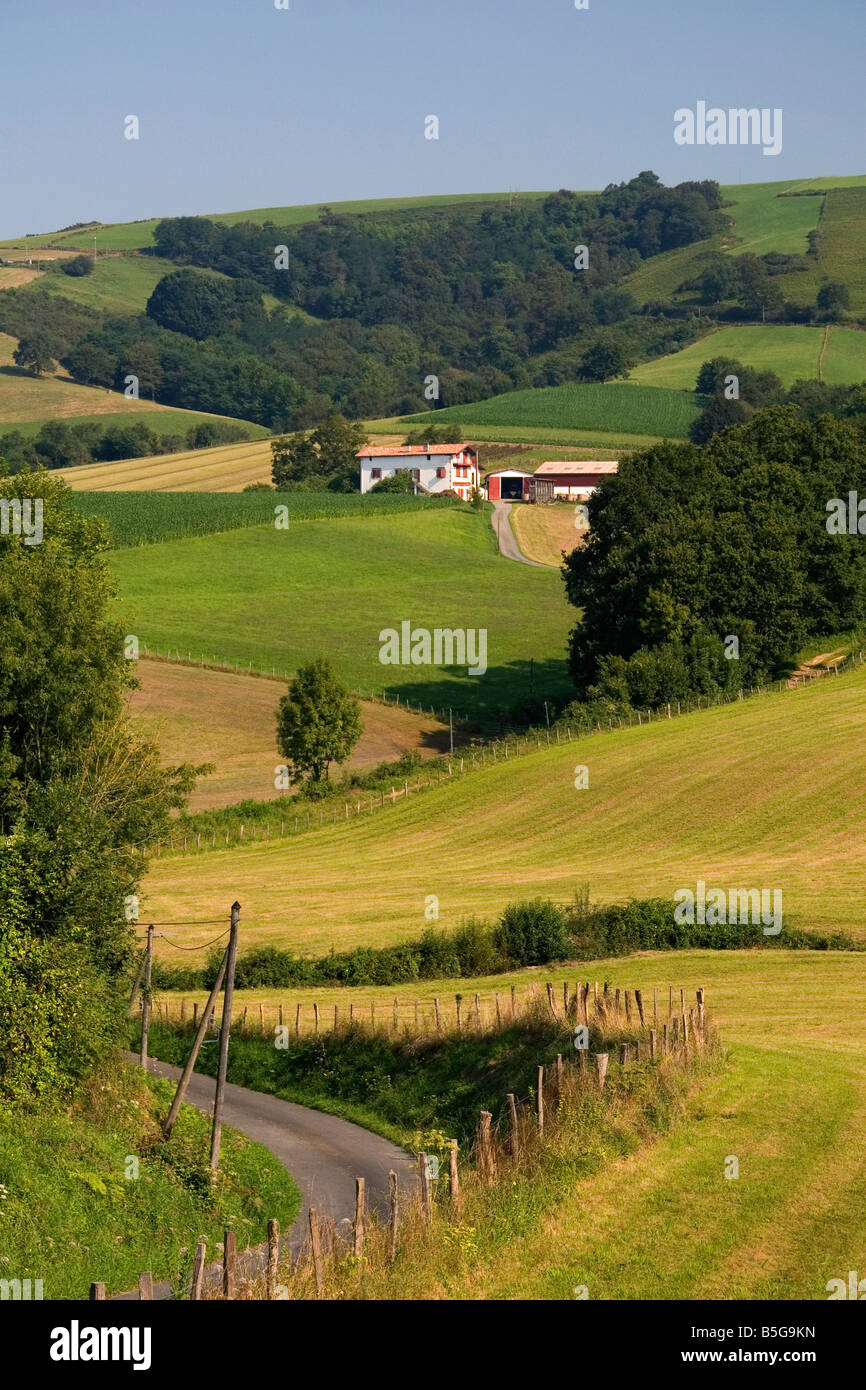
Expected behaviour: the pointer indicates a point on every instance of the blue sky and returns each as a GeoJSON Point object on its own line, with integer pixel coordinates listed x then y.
{"type": "Point", "coordinates": [243, 105]}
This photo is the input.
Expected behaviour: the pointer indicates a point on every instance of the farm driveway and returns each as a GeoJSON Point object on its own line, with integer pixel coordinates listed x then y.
{"type": "Point", "coordinates": [501, 523]}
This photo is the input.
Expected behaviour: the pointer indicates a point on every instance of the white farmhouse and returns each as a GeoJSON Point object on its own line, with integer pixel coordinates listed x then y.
{"type": "Point", "coordinates": [434, 467]}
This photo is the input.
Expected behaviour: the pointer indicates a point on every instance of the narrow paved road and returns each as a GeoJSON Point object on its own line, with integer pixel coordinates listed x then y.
{"type": "Point", "coordinates": [323, 1153]}
{"type": "Point", "coordinates": [501, 523]}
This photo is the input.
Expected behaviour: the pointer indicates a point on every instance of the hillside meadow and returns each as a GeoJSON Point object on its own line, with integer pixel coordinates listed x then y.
{"type": "Point", "coordinates": [238, 737]}
{"type": "Point", "coordinates": [835, 354]}
{"type": "Point", "coordinates": [767, 792]}
{"type": "Point", "coordinates": [610, 408]}
{"type": "Point", "coordinates": [265, 598]}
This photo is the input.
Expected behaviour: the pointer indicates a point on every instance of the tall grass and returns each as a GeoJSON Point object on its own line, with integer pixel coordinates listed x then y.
{"type": "Point", "coordinates": [143, 518]}
{"type": "Point", "coordinates": [508, 1175]}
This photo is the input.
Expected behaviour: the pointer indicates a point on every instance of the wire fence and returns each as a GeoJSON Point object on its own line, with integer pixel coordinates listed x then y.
{"type": "Point", "coordinates": [473, 757]}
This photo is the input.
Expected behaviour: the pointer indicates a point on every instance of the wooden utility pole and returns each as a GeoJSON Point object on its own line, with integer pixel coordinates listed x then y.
{"type": "Point", "coordinates": [138, 979]}
{"type": "Point", "coordinates": [225, 1030]}
{"type": "Point", "coordinates": [191, 1059]}
{"type": "Point", "coordinates": [145, 1007]}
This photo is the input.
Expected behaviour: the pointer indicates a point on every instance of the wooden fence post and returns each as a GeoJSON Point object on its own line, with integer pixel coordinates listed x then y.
{"type": "Point", "coordinates": [665, 1040]}
{"type": "Point", "coordinates": [638, 998]}
{"type": "Point", "coordinates": [653, 1043]}
{"type": "Point", "coordinates": [358, 1228]}
{"type": "Point", "coordinates": [513, 1004]}
{"type": "Point", "coordinates": [498, 1011]}
{"type": "Point", "coordinates": [551, 1001]}
{"type": "Point", "coordinates": [539, 1100]}
{"type": "Point", "coordinates": [513, 1126]}
{"type": "Point", "coordinates": [655, 1005]}
{"type": "Point", "coordinates": [459, 999]}
{"type": "Point", "coordinates": [478, 1012]}
{"type": "Point", "coordinates": [394, 1203]}
{"type": "Point", "coordinates": [701, 1016]}
{"type": "Point", "coordinates": [454, 1176]}
{"type": "Point", "coordinates": [97, 1293]}
{"type": "Point", "coordinates": [623, 1054]}
{"type": "Point", "coordinates": [316, 1016]}
{"type": "Point", "coordinates": [628, 1006]}
{"type": "Point", "coordinates": [316, 1249]}
{"type": "Point", "coordinates": [273, 1256]}
{"type": "Point", "coordinates": [424, 1177]}
{"type": "Point", "coordinates": [559, 1076]}
{"type": "Point", "coordinates": [438, 1017]}
{"type": "Point", "coordinates": [485, 1147]}
{"type": "Point", "coordinates": [230, 1250]}
{"type": "Point", "coordinates": [197, 1276]}
{"type": "Point", "coordinates": [601, 1068]}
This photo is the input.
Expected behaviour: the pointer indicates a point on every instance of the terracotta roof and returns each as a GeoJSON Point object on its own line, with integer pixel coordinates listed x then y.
{"type": "Point", "coordinates": [396, 450]}
{"type": "Point", "coordinates": [575, 468]}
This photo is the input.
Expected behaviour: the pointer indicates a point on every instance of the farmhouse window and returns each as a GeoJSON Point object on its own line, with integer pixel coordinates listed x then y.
{"type": "Point", "coordinates": [375, 472]}
{"type": "Point", "coordinates": [416, 474]}
{"type": "Point", "coordinates": [440, 472]}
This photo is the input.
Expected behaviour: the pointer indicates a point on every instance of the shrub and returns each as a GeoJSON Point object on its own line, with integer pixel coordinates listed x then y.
{"type": "Point", "coordinates": [531, 933]}
{"type": "Point", "coordinates": [78, 265]}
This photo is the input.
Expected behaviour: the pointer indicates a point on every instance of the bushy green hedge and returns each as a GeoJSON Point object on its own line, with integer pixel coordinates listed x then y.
{"type": "Point", "coordinates": [527, 933]}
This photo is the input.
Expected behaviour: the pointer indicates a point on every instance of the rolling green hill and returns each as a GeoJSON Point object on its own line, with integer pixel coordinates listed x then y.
{"type": "Point", "coordinates": [131, 235]}
{"type": "Point", "coordinates": [118, 284]}
{"type": "Point", "coordinates": [775, 217]}
{"type": "Point", "coordinates": [607, 409]}
{"type": "Point", "coordinates": [760, 793]}
{"type": "Point", "coordinates": [267, 597]}
{"type": "Point", "coordinates": [789, 350]}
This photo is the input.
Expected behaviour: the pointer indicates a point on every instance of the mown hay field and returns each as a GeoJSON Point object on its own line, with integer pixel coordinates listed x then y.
{"type": "Point", "coordinates": [223, 468]}
{"type": "Point", "coordinates": [238, 736]}
{"type": "Point", "coordinates": [768, 792]}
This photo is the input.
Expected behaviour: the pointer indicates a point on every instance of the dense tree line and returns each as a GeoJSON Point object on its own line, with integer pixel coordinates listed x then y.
{"type": "Point", "coordinates": [733, 392]}
{"type": "Point", "coordinates": [371, 309]}
{"type": "Point", "coordinates": [751, 282]}
{"type": "Point", "coordinates": [79, 792]}
{"type": "Point", "coordinates": [63, 444]}
{"type": "Point", "coordinates": [691, 546]}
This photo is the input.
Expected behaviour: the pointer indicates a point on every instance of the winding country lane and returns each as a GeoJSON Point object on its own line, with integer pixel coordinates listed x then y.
{"type": "Point", "coordinates": [323, 1153]}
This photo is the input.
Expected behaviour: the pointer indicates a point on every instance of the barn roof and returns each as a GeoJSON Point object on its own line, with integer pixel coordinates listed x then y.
{"type": "Point", "coordinates": [572, 469]}
{"type": "Point", "coordinates": [508, 473]}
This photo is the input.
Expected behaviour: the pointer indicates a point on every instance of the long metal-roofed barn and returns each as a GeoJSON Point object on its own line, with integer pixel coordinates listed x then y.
{"type": "Point", "coordinates": [551, 482]}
